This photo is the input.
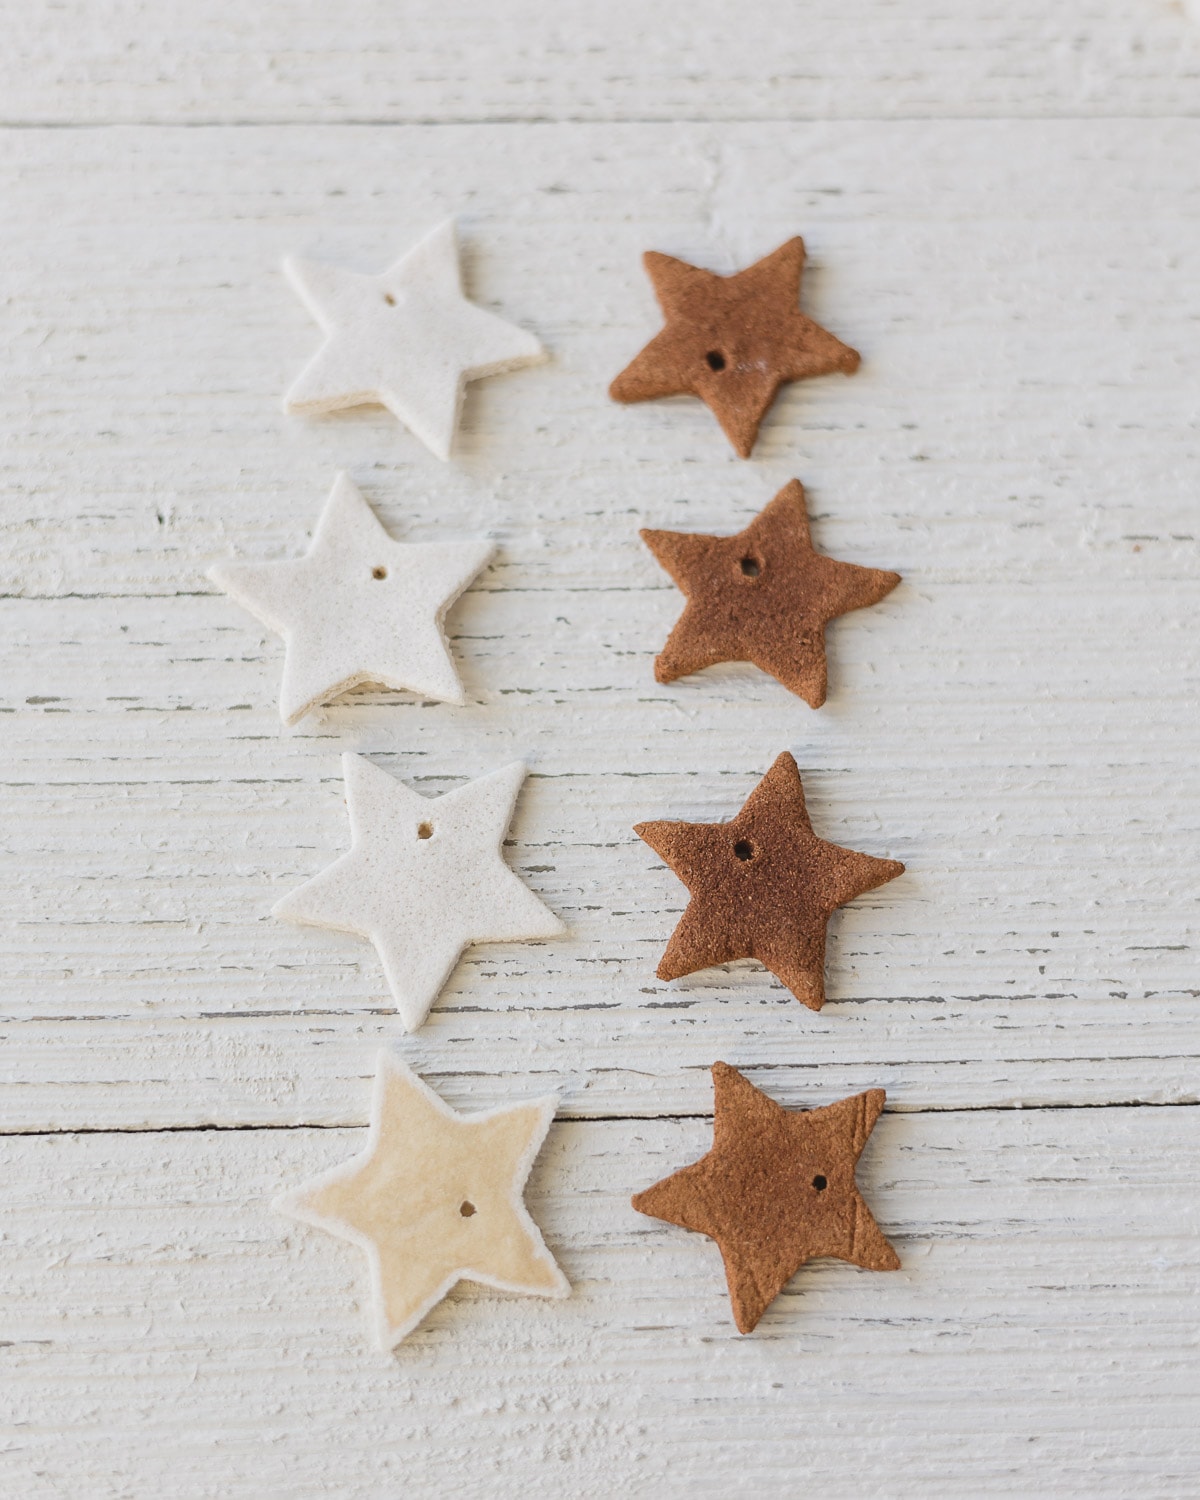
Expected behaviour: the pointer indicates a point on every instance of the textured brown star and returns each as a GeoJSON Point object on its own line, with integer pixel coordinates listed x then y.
{"type": "Point", "coordinates": [763, 596]}
{"type": "Point", "coordinates": [763, 886]}
{"type": "Point", "coordinates": [776, 1191]}
{"type": "Point", "coordinates": [731, 340]}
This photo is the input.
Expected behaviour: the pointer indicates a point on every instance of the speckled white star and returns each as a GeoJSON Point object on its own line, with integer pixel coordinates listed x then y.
{"type": "Point", "coordinates": [435, 1198]}
{"type": "Point", "coordinates": [423, 879]}
{"type": "Point", "coordinates": [408, 340]}
{"type": "Point", "coordinates": [358, 607]}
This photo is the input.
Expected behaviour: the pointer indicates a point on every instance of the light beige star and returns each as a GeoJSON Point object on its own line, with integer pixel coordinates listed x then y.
{"type": "Point", "coordinates": [435, 1198]}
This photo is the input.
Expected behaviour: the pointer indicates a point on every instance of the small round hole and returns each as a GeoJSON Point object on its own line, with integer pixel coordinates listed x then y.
{"type": "Point", "coordinates": [715, 360]}
{"type": "Point", "coordinates": [467, 1208]}
{"type": "Point", "coordinates": [751, 567]}
{"type": "Point", "coordinates": [389, 299]}
{"type": "Point", "coordinates": [380, 572]}
{"type": "Point", "coordinates": [820, 1182]}
{"type": "Point", "coordinates": [744, 849]}
{"type": "Point", "coordinates": [425, 831]}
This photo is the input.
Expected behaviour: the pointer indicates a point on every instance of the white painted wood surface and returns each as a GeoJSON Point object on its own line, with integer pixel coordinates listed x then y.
{"type": "Point", "coordinates": [1002, 206]}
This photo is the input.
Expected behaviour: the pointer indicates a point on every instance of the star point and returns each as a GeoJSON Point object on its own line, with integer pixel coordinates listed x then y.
{"type": "Point", "coordinates": [776, 1190]}
{"type": "Point", "coordinates": [763, 596]}
{"type": "Point", "coordinates": [762, 886]}
{"type": "Point", "coordinates": [435, 1197]}
{"type": "Point", "coordinates": [424, 878]}
{"type": "Point", "coordinates": [358, 607]}
{"type": "Point", "coordinates": [731, 340]}
{"type": "Point", "coordinates": [407, 339]}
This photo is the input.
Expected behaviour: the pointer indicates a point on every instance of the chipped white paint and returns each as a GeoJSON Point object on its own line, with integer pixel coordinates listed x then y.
{"type": "Point", "coordinates": [1017, 722]}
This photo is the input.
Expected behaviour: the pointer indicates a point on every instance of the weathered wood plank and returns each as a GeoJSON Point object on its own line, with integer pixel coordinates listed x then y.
{"type": "Point", "coordinates": [1015, 722]}
{"type": "Point", "coordinates": [1018, 723]}
{"type": "Point", "coordinates": [165, 1334]}
{"type": "Point", "coordinates": [1025, 297]}
{"type": "Point", "coordinates": [134, 60]}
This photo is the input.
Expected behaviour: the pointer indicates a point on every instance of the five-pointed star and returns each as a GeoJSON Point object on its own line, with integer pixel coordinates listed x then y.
{"type": "Point", "coordinates": [358, 607]}
{"type": "Point", "coordinates": [423, 879]}
{"type": "Point", "coordinates": [435, 1198]}
{"type": "Point", "coordinates": [731, 340]}
{"type": "Point", "coordinates": [408, 340]}
{"type": "Point", "coordinates": [763, 596]}
{"type": "Point", "coordinates": [776, 1190]}
{"type": "Point", "coordinates": [762, 886]}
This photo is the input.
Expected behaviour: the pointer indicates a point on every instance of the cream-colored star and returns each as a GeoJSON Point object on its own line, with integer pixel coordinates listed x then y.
{"type": "Point", "coordinates": [358, 607]}
{"type": "Point", "coordinates": [408, 340]}
{"type": "Point", "coordinates": [423, 878]}
{"type": "Point", "coordinates": [434, 1199]}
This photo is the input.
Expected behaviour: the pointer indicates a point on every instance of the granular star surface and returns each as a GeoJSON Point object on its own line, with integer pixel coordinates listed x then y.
{"type": "Point", "coordinates": [435, 1198]}
{"type": "Point", "coordinates": [776, 1190]}
{"type": "Point", "coordinates": [731, 340]}
{"type": "Point", "coordinates": [763, 596]}
{"type": "Point", "coordinates": [762, 886]}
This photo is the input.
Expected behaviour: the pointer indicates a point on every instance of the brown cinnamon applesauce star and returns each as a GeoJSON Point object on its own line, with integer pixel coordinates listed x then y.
{"type": "Point", "coordinates": [776, 1191]}
{"type": "Point", "coordinates": [762, 886]}
{"type": "Point", "coordinates": [763, 596]}
{"type": "Point", "coordinates": [731, 340]}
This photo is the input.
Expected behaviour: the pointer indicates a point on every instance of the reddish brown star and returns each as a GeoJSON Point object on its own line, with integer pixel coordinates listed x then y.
{"type": "Point", "coordinates": [763, 886]}
{"type": "Point", "coordinates": [776, 1190]}
{"type": "Point", "coordinates": [731, 340]}
{"type": "Point", "coordinates": [763, 596]}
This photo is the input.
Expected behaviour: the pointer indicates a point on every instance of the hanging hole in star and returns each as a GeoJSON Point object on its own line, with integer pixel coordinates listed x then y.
{"type": "Point", "coordinates": [380, 572]}
{"type": "Point", "coordinates": [389, 299]}
{"type": "Point", "coordinates": [425, 831]}
{"type": "Point", "coordinates": [750, 566]}
{"type": "Point", "coordinates": [466, 1208]}
{"type": "Point", "coordinates": [820, 1182]}
{"type": "Point", "coordinates": [715, 360]}
{"type": "Point", "coordinates": [744, 849]}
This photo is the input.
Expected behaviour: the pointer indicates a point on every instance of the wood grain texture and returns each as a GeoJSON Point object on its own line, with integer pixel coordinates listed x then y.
{"type": "Point", "coordinates": [407, 60]}
{"type": "Point", "coordinates": [1017, 722]}
{"type": "Point", "coordinates": [166, 1334]}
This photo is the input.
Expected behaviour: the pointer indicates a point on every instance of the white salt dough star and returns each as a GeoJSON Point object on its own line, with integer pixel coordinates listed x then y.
{"type": "Point", "coordinates": [408, 340]}
{"type": "Point", "coordinates": [435, 1198]}
{"type": "Point", "coordinates": [358, 607]}
{"type": "Point", "coordinates": [423, 879]}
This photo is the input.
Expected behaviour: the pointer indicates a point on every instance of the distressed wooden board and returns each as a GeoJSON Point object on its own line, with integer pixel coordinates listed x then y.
{"type": "Point", "coordinates": [167, 1335]}
{"type": "Point", "coordinates": [1017, 722]}
{"type": "Point", "coordinates": [135, 60]}
{"type": "Point", "coordinates": [1014, 722]}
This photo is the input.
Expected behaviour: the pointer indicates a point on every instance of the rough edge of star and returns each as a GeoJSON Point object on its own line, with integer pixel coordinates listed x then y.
{"type": "Point", "coordinates": [290, 1203]}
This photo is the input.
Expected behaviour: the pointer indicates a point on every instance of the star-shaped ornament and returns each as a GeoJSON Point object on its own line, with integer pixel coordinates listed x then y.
{"type": "Point", "coordinates": [762, 886]}
{"type": "Point", "coordinates": [776, 1191]}
{"type": "Point", "coordinates": [763, 596]}
{"type": "Point", "coordinates": [423, 879]}
{"type": "Point", "coordinates": [358, 607]}
{"type": "Point", "coordinates": [731, 340]}
{"type": "Point", "coordinates": [408, 340]}
{"type": "Point", "coordinates": [434, 1199]}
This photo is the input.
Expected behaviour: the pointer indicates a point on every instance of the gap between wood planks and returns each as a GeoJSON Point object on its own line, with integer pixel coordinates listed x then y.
{"type": "Point", "coordinates": [567, 1118]}
{"type": "Point", "coordinates": [427, 122]}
